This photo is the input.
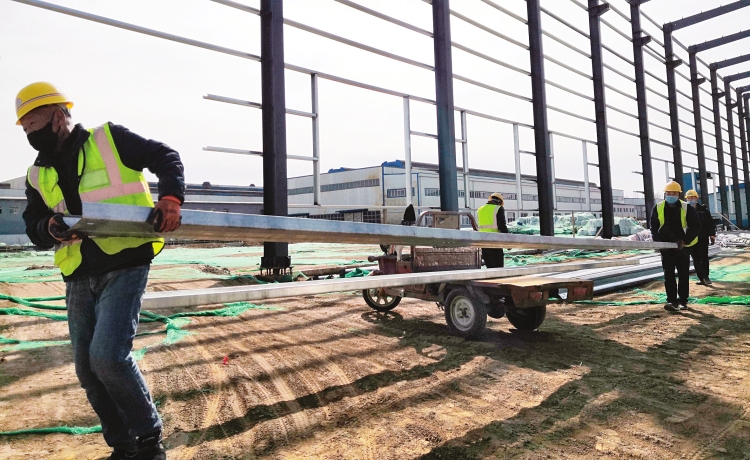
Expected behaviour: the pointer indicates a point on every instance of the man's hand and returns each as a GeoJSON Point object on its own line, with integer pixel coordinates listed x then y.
{"type": "Point", "coordinates": [680, 244]}
{"type": "Point", "coordinates": [713, 239]}
{"type": "Point", "coordinates": [59, 230]}
{"type": "Point", "coordinates": [166, 215]}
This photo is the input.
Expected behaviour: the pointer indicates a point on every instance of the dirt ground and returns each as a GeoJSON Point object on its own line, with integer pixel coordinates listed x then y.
{"type": "Point", "coordinates": [324, 377]}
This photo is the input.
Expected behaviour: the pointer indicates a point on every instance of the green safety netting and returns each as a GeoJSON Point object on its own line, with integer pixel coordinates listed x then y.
{"type": "Point", "coordinates": [74, 430]}
{"type": "Point", "coordinates": [181, 262]}
{"type": "Point", "coordinates": [174, 323]}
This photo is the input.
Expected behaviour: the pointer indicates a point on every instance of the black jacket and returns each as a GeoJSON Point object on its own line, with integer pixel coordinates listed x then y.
{"type": "Point", "coordinates": [501, 225]}
{"type": "Point", "coordinates": [136, 153]}
{"type": "Point", "coordinates": [672, 231]}
{"type": "Point", "coordinates": [708, 227]}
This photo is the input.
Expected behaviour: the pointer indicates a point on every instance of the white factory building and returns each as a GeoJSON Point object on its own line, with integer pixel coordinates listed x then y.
{"type": "Point", "coordinates": [378, 193]}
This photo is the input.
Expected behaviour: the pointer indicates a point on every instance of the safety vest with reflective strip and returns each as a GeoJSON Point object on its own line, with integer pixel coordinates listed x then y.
{"type": "Point", "coordinates": [103, 179]}
{"type": "Point", "coordinates": [487, 217]}
{"type": "Point", "coordinates": [683, 217]}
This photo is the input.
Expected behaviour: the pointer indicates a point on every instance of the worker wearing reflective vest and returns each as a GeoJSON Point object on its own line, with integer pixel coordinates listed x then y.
{"type": "Point", "coordinates": [673, 221]}
{"type": "Point", "coordinates": [699, 252]}
{"type": "Point", "coordinates": [105, 277]}
{"type": "Point", "coordinates": [491, 217]}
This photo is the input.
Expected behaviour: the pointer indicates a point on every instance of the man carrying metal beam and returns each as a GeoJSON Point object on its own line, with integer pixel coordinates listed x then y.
{"type": "Point", "coordinates": [491, 217]}
{"type": "Point", "coordinates": [105, 278]}
{"type": "Point", "coordinates": [708, 233]}
{"type": "Point", "coordinates": [674, 221]}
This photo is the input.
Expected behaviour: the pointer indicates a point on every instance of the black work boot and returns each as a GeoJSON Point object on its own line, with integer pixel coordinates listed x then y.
{"type": "Point", "coordinates": [120, 454]}
{"type": "Point", "coordinates": [151, 447]}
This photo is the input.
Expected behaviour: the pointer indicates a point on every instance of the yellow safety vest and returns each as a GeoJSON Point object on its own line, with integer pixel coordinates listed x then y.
{"type": "Point", "coordinates": [104, 179]}
{"type": "Point", "coordinates": [487, 217]}
{"type": "Point", "coordinates": [683, 215]}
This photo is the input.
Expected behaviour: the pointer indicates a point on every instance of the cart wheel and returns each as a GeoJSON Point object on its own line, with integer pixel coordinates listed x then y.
{"type": "Point", "coordinates": [526, 319]}
{"type": "Point", "coordinates": [379, 300]}
{"type": "Point", "coordinates": [465, 315]}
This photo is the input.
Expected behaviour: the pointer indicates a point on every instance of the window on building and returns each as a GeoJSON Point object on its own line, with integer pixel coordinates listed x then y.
{"type": "Point", "coordinates": [530, 197]}
{"type": "Point", "coordinates": [299, 191]}
{"type": "Point", "coordinates": [397, 192]}
{"type": "Point", "coordinates": [432, 192]}
{"type": "Point", "coordinates": [14, 209]}
{"type": "Point", "coordinates": [350, 185]}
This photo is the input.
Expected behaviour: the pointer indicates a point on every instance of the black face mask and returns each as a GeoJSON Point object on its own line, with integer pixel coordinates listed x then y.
{"type": "Point", "coordinates": [43, 140]}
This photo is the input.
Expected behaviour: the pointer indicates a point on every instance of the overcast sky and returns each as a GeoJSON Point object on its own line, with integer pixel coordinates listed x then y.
{"type": "Point", "coordinates": [155, 87]}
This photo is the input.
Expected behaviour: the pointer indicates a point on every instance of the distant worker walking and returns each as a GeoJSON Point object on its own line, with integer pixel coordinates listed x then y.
{"type": "Point", "coordinates": [674, 221]}
{"type": "Point", "coordinates": [491, 217]}
{"type": "Point", "coordinates": [105, 278]}
{"type": "Point", "coordinates": [707, 234]}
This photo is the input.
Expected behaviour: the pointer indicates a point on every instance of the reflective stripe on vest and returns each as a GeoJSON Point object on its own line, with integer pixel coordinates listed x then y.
{"type": "Point", "coordinates": [487, 217]}
{"type": "Point", "coordinates": [103, 178]}
{"type": "Point", "coordinates": [683, 218]}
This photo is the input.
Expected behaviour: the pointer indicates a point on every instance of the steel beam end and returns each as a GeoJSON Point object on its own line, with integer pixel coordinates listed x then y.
{"type": "Point", "coordinates": [674, 63]}
{"type": "Point", "coordinates": [643, 40]}
{"type": "Point", "coordinates": [599, 9]}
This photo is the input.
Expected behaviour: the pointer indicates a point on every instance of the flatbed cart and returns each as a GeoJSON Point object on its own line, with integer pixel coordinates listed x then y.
{"type": "Point", "coordinates": [467, 304]}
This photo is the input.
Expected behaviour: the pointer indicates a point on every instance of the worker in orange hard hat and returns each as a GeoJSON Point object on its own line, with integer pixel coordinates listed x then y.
{"type": "Point", "coordinates": [674, 221]}
{"type": "Point", "coordinates": [491, 218]}
{"type": "Point", "coordinates": [105, 278]}
{"type": "Point", "coordinates": [707, 234]}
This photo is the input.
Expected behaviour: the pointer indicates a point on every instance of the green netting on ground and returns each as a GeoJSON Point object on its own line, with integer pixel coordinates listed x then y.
{"type": "Point", "coordinates": [74, 430]}
{"type": "Point", "coordinates": [739, 273]}
{"type": "Point", "coordinates": [660, 298]}
{"type": "Point", "coordinates": [174, 323]}
{"type": "Point", "coordinates": [184, 262]}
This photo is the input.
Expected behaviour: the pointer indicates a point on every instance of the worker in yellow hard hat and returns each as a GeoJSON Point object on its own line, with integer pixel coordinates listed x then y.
{"type": "Point", "coordinates": [105, 277]}
{"type": "Point", "coordinates": [674, 221]}
{"type": "Point", "coordinates": [491, 218]}
{"type": "Point", "coordinates": [707, 234]}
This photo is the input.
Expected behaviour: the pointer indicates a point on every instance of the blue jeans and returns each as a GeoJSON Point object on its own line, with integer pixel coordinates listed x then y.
{"type": "Point", "coordinates": [102, 317]}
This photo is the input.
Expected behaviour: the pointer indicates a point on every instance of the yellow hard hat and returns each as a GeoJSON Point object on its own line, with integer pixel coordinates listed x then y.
{"type": "Point", "coordinates": [692, 193]}
{"type": "Point", "coordinates": [37, 95]}
{"type": "Point", "coordinates": [673, 187]}
{"type": "Point", "coordinates": [497, 197]}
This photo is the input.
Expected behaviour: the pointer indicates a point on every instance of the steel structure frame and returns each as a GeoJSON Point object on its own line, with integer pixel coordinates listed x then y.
{"type": "Point", "coordinates": [544, 136]}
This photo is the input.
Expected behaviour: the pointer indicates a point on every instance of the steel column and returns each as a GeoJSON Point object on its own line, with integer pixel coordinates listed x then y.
{"type": "Point", "coordinates": [733, 152]}
{"type": "Point", "coordinates": [275, 254]}
{"type": "Point", "coordinates": [600, 103]}
{"type": "Point", "coordinates": [517, 157]}
{"type": "Point", "coordinates": [541, 128]}
{"type": "Point", "coordinates": [639, 41]}
{"type": "Point", "coordinates": [446, 125]}
{"type": "Point", "coordinates": [315, 138]}
{"type": "Point", "coordinates": [743, 145]}
{"type": "Point", "coordinates": [716, 96]}
{"type": "Point", "coordinates": [586, 183]}
{"type": "Point", "coordinates": [696, 82]}
{"type": "Point", "coordinates": [465, 157]}
{"type": "Point", "coordinates": [407, 152]}
{"type": "Point", "coordinates": [674, 115]}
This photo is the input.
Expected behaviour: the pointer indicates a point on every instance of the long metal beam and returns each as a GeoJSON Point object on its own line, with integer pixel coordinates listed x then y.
{"type": "Point", "coordinates": [544, 172]}
{"type": "Point", "coordinates": [119, 220]}
{"type": "Point", "coordinates": [730, 62]}
{"type": "Point", "coordinates": [640, 40]}
{"type": "Point", "coordinates": [720, 41]}
{"type": "Point", "coordinates": [716, 97]}
{"type": "Point", "coordinates": [706, 15]}
{"type": "Point", "coordinates": [446, 125]}
{"type": "Point", "coordinates": [275, 199]}
{"type": "Point", "coordinates": [595, 11]}
{"type": "Point", "coordinates": [196, 297]}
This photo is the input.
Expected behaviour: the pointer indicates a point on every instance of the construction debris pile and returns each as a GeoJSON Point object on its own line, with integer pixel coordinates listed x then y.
{"type": "Point", "coordinates": [733, 240]}
{"type": "Point", "coordinates": [586, 224]}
